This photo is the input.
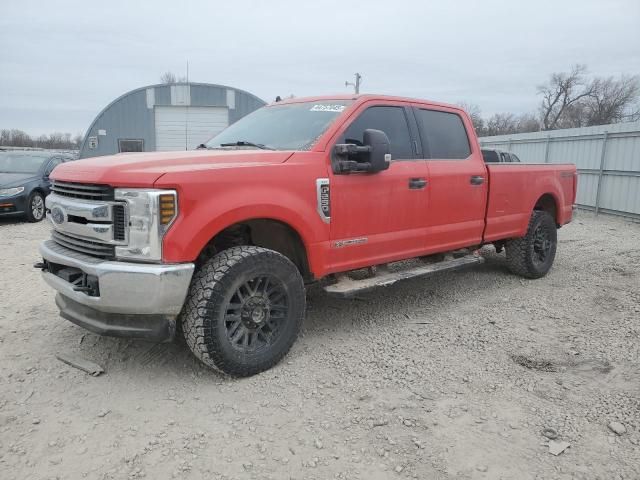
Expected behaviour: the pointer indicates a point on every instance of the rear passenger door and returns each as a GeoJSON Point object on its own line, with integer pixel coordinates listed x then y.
{"type": "Point", "coordinates": [457, 179]}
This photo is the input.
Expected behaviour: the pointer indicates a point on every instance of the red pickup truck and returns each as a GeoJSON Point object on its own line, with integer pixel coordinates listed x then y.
{"type": "Point", "coordinates": [217, 244]}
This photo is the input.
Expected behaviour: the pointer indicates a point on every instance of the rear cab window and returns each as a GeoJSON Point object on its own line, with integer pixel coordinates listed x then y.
{"type": "Point", "coordinates": [443, 134]}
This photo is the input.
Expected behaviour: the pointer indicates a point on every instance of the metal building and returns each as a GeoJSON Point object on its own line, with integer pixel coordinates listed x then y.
{"type": "Point", "coordinates": [607, 158]}
{"type": "Point", "coordinates": [166, 117]}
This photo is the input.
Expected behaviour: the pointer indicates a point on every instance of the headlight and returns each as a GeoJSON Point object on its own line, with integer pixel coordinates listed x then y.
{"type": "Point", "coordinates": [8, 192]}
{"type": "Point", "coordinates": [151, 213]}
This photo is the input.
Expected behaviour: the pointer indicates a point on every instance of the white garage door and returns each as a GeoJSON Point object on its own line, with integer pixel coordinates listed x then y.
{"type": "Point", "coordinates": [184, 128]}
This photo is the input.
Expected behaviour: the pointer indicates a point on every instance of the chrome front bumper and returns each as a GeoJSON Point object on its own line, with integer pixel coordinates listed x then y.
{"type": "Point", "coordinates": [134, 300]}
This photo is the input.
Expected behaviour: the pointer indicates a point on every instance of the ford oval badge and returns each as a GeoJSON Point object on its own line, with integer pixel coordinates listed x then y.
{"type": "Point", "coordinates": [57, 215]}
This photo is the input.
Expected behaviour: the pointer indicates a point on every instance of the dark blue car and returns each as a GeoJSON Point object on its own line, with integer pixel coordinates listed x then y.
{"type": "Point", "coordinates": [24, 182]}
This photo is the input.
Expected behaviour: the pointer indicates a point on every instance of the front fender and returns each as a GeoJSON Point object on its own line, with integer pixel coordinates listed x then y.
{"type": "Point", "coordinates": [201, 220]}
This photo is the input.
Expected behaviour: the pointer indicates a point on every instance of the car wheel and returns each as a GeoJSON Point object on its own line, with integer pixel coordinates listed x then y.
{"type": "Point", "coordinates": [35, 207]}
{"type": "Point", "coordinates": [244, 310]}
{"type": "Point", "coordinates": [532, 255]}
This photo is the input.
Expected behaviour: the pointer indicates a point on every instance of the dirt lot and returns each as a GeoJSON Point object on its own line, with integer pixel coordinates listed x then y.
{"type": "Point", "coordinates": [450, 377]}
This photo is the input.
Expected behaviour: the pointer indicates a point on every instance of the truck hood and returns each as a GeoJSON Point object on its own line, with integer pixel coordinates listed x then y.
{"type": "Point", "coordinates": [143, 169]}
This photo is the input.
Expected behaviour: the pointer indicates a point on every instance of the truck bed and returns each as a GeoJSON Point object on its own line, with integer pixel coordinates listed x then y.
{"type": "Point", "coordinates": [514, 190]}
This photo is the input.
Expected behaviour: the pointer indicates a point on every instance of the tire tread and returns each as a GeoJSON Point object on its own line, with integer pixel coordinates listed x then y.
{"type": "Point", "coordinates": [208, 288]}
{"type": "Point", "coordinates": [518, 260]}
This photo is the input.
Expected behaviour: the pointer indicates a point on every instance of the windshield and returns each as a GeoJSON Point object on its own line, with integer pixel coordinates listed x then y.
{"type": "Point", "coordinates": [20, 163]}
{"type": "Point", "coordinates": [293, 126]}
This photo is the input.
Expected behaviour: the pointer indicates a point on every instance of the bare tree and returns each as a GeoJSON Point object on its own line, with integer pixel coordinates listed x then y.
{"type": "Point", "coordinates": [561, 92]}
{"type": "Point", "coordinates": [501, 124]}
{"type": "Point", "coordinates": [571, 100]}
{"type": "Point", "coordinates": [612, 100]}
{"type": "Point", "coordinates": [168, 78]}
{"type": "Point", "coordinates": [171, 78]}
{"type": "Point", "coordinates": [56, 140]}
{"type": "Point", "coordinates": [527, 122]}
{"type": "Point", "coordinates": [18, 138]}
{"type": "Point", "coordinates": [77, 139]}
{"type": "Point", "coordinates": [5, 136]}
{"type": "Point", "coordinates": [476, 116]}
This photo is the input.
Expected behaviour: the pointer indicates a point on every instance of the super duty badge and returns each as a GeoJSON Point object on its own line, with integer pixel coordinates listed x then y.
{"type": "Point", "coordinates": [323, 199]}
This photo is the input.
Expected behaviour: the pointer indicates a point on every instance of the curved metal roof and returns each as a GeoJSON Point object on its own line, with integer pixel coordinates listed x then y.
{"type": "Point", "coordinates": [131, 92]}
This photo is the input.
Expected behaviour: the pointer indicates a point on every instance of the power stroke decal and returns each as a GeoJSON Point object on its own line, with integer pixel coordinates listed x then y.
{"type": "Point", "coordinates": [350, 242]}
{"type": "Point", "coordinates": [323, 196]}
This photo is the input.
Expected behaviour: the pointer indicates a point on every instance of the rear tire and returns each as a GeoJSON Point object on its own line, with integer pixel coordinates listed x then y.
{"type": "Point", "coordinates": [244, 310]}
{"type": "Point", "coordinates": [35, 207]}
{"type": "Point", "coordinates": [532, 255]}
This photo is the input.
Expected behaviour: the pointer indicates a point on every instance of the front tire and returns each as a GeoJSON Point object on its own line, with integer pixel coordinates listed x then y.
{"type": "Point", "coordinates": [35, 207]}
{"type": "Point", "coordinates": [244, 310]}
{"type": "Point", "coordinates": [532, 255]}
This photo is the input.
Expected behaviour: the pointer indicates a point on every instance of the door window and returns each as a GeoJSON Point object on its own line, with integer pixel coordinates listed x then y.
{"type": "Point", "coordinates": [392, 121]}
{"type": "Point", "coordinates": [443, 135]}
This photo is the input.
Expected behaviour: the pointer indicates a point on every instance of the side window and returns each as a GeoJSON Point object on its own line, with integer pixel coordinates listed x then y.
{"type": "Point", "coordinates": [53, 163]}
{"type": "Point", "coordinates": [392, 121]}
{"type": "Point", "coordinates": [443, 134]}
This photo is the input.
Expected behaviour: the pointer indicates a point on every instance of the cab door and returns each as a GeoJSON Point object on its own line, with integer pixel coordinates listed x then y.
{"type": "Point", "coordinates": [458, 179]}
{"type": "Point", "coordinates": [379, 217]}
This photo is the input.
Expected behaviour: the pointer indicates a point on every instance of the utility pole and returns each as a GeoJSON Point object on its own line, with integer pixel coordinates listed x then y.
{"type": "Point", "coordinates": [356, 85]}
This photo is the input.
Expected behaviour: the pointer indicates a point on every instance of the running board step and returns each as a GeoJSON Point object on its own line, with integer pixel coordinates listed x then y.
{"type": "Point", "coordinates": [347, 287]}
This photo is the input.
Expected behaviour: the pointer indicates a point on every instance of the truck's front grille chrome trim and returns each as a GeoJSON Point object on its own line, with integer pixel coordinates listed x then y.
{"type": "Point", "coordinates": [82, 190]}
{"type": "Point", "coordinates": [85, 246]}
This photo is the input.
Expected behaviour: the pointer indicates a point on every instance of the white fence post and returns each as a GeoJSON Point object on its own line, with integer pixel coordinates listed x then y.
{"type": "Point", "coordinates": [602, 155]}
{"type": "Point", "coordinates": [546, 149]}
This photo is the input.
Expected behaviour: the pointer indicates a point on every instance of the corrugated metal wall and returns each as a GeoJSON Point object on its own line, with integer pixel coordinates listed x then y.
{"type": "Point", "coordinates": [607, 157]}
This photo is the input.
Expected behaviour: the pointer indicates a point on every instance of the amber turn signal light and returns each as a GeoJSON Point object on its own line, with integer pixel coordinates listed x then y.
{"type": "Point", "coordinates": [168, 208]}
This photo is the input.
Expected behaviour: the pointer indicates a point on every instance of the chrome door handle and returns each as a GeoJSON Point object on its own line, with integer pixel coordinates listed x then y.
{"type": "Point", "coordinates": [417, 183]}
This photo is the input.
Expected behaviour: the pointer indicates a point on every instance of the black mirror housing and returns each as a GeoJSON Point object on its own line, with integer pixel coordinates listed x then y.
{"type": "Point", "coordinates": [379, 155]}
{"type": "Point", "coordinates": [373, 156]}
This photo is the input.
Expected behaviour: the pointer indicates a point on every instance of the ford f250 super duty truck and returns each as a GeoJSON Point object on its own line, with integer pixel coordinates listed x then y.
{"type": "Point", "coordinates": [217, 245]}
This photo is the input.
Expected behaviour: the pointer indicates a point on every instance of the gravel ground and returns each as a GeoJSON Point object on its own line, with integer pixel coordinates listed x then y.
{"type": "Point", "coordinates": [454, 376]}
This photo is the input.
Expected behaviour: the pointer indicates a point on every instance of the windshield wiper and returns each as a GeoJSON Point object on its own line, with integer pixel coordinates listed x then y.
{"type": "Point", "coordinates": [242, 143]}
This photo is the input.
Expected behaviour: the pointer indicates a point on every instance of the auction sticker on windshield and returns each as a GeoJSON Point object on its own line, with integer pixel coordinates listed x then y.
{"type": "Point", "coordinates": [327, 108]}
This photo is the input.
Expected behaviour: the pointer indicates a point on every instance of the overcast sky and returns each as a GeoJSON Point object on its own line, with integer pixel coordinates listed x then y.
{"type": "Point", "coordinates": [61, 62]}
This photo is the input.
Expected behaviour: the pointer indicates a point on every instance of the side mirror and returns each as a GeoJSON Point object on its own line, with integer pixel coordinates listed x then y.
{"type": "Point", "coordinates": [372, 157]}
{"type": "Point", "coordinates": [379, 156]}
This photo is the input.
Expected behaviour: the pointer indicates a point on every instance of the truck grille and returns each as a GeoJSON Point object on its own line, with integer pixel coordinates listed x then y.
{"type": "Point", "coordinates": [85, 191]}
{"type": "Point", "coordinates": [89, 247]}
